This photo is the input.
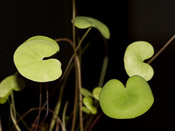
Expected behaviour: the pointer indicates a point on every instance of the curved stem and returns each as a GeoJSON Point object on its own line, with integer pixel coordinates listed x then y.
{"type": "Point", "coordinates": [13, 105]}
{"type": "Point", "coordinates": [161, 50]}
{"type": "Point", "coordinates": [39, 113]}
{"type": "Point", "coordinates": [34, 109]}
{"type": "Point", "coordinates": [13, 118]}
{"type": "Point", "coordinates": [79, 44]}
{"type": "Point", "coordinates": [66, 40]}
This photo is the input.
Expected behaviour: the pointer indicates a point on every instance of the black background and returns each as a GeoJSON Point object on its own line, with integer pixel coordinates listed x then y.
{"type": "Point", "coordinates": [128, 21]}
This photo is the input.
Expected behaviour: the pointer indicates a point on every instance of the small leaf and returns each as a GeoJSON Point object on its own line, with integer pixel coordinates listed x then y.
{"type": "Point", "coordinates": [29, 59]}
{"type": "Point", "coordinates": [12, 82]}
{"type": "Point", "coordinates": [119, 102]}
{"type": "Point", "coordinates": [134, 57]}
{"type": "Point", "coordinates": [85, 92]}
{"type": "Point", "coordinates": [84, 22]}
{"type": "Point", "coordinates": [89, 104]}
{"type": "Point", "coordinates": [3, 100]}
{"type": "Point", "coordinates": [96, 92]}
{"type": "Point", "coordinates": [85, 110]}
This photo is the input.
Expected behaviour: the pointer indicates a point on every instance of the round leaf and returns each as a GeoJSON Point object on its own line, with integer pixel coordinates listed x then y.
{"type": "Point", "coordinates": [13, 82]}
{"type": "Point", "coordinates": [134, 58]}
{"type": "Point", "coordinates": [96, 92]}
{"type": "Point", "coordinates": [85, 110]}
{"type": "Point", "coordinates": [29, 59]}
{"type": "Point", "coordinates": [89, 104]}
{"type": "Point", "coordinates": [84, 22]}
{"type": "Point", "coordinates": [119, 102]}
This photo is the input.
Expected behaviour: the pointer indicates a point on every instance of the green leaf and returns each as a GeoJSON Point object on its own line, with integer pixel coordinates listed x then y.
{"type": "Point", "coordinates": [3, 100]}
{"type": "Point", "coordinates": [134, 58]}
{"type": "Point", "coordinates": [85, 92]}
{"type": "Point", "coordinates": [85, 110]}
{"type": "Point", "coordinates": [29, 59]}
{"type": "Point", "coordinates": [12, 82]}
{"type": "Point", "coordinates": [96, 92]}
{"type": "Point", "coordinates": [84, 22]}
{"type": "Point", "coordinates": [88, 102]}
{"type": "Point", "coordinates": [119, 102]}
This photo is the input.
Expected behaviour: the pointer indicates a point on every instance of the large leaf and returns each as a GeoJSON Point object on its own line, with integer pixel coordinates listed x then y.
{"type": "Point", "coordinates": [84, 22]}
{"type": "Point", "coordinates": [119, 102]}
{"type": "Point", "coordinates": [29, 59]}
{"type": "Point", "coordinates": [134, 58]}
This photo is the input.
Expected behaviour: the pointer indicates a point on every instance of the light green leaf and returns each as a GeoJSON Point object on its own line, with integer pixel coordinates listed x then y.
{"type": "Point", "coordinates": [88, 102]}
{"type": "Point", "coordinates": [96, 92]}
{"type": "Point", "coordinates": [134, 58]}
{"type": "Point", "coordinates": [85, 110]}
{"type": "Point", "coordinates": [29, 59]}
{"type": "Point", "coordinates": [85, 92]}
{"type": "Point", "coordinates": [84, 22]}
{"type": "Point", "coordinates": [119, 102]}
{"type": "Point", "coordinates": [3, 100]}
{"type": "Point", "coordinates": [12, 82]}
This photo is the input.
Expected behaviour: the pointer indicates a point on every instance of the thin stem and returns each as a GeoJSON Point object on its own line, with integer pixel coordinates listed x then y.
{"type": "Point", "coordinates": [73, 27]}
{"type": "Point", "coordinates": [76, 75]}
{"type": "Point", "coordinates": [66, 40]}
{"type": "Point", "coordinates": [47, 103]}
{"type": "Point", "coordinates": [13, 107]}
{"type": "Point", "coordinates": [58, 105]}
{"type": "Point", "coordinates": [80, 95]}
{"type": "Point", "coordinates": [84, 36]}
{"type": "Point", "coordinates": [63, 116]}
{"type": "Point", "coordinates": [161, 50]}
{"type": "Point", "coordinates": [104, 66]}
{"type": "Point", "coordinates": [101, 80]}
{"type": "Point", "coordinates": [13, 119]}
{"type": "Point", "coordinates": [75, 102]}
{"type": "Point", "coordinates": [95, 121]}
{"type": "Point", "coordinates": [39, 113]}
{"type": "Point", "coordinates": [33, 109]}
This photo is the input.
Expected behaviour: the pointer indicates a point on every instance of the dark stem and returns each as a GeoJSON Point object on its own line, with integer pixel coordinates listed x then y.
{"type": "Point", "coordinates": [161, 50]}
{"type": "Point", "coordinates": [66, 40]}
{"type": "Point", "coordinates": [34, 109]}
{"type": "Point", "coordinates": [39, 112]}
{"type": "Point", "coordinates": [47, 103]}
{"type": "Point", "coordinates": [95, 121]}
{"type": "Point", "coordinates": [80, 95]}
{"type": "Point", "coordinates": [76, 74]}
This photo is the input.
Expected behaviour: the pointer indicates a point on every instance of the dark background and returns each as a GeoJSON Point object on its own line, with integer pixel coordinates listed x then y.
{"type": "Point", "coordinates": [128, 21]}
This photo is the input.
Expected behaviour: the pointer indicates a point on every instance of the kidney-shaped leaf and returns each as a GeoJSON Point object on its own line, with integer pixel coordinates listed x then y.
{"type": "Point", "coordinates": [119, 102]}
{"type": "Point", "coordinates": [134, 57]}
{"type": "Point", "coordinates": [12, 82]}
{"type": "Point", "coordinates": [29, 59]}
{"type": "Point", "coordinates": [83, 22]}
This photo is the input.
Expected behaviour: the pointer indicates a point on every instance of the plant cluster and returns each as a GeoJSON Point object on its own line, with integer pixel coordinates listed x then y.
{"type": "Point", "coordinates": [33, 60]}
